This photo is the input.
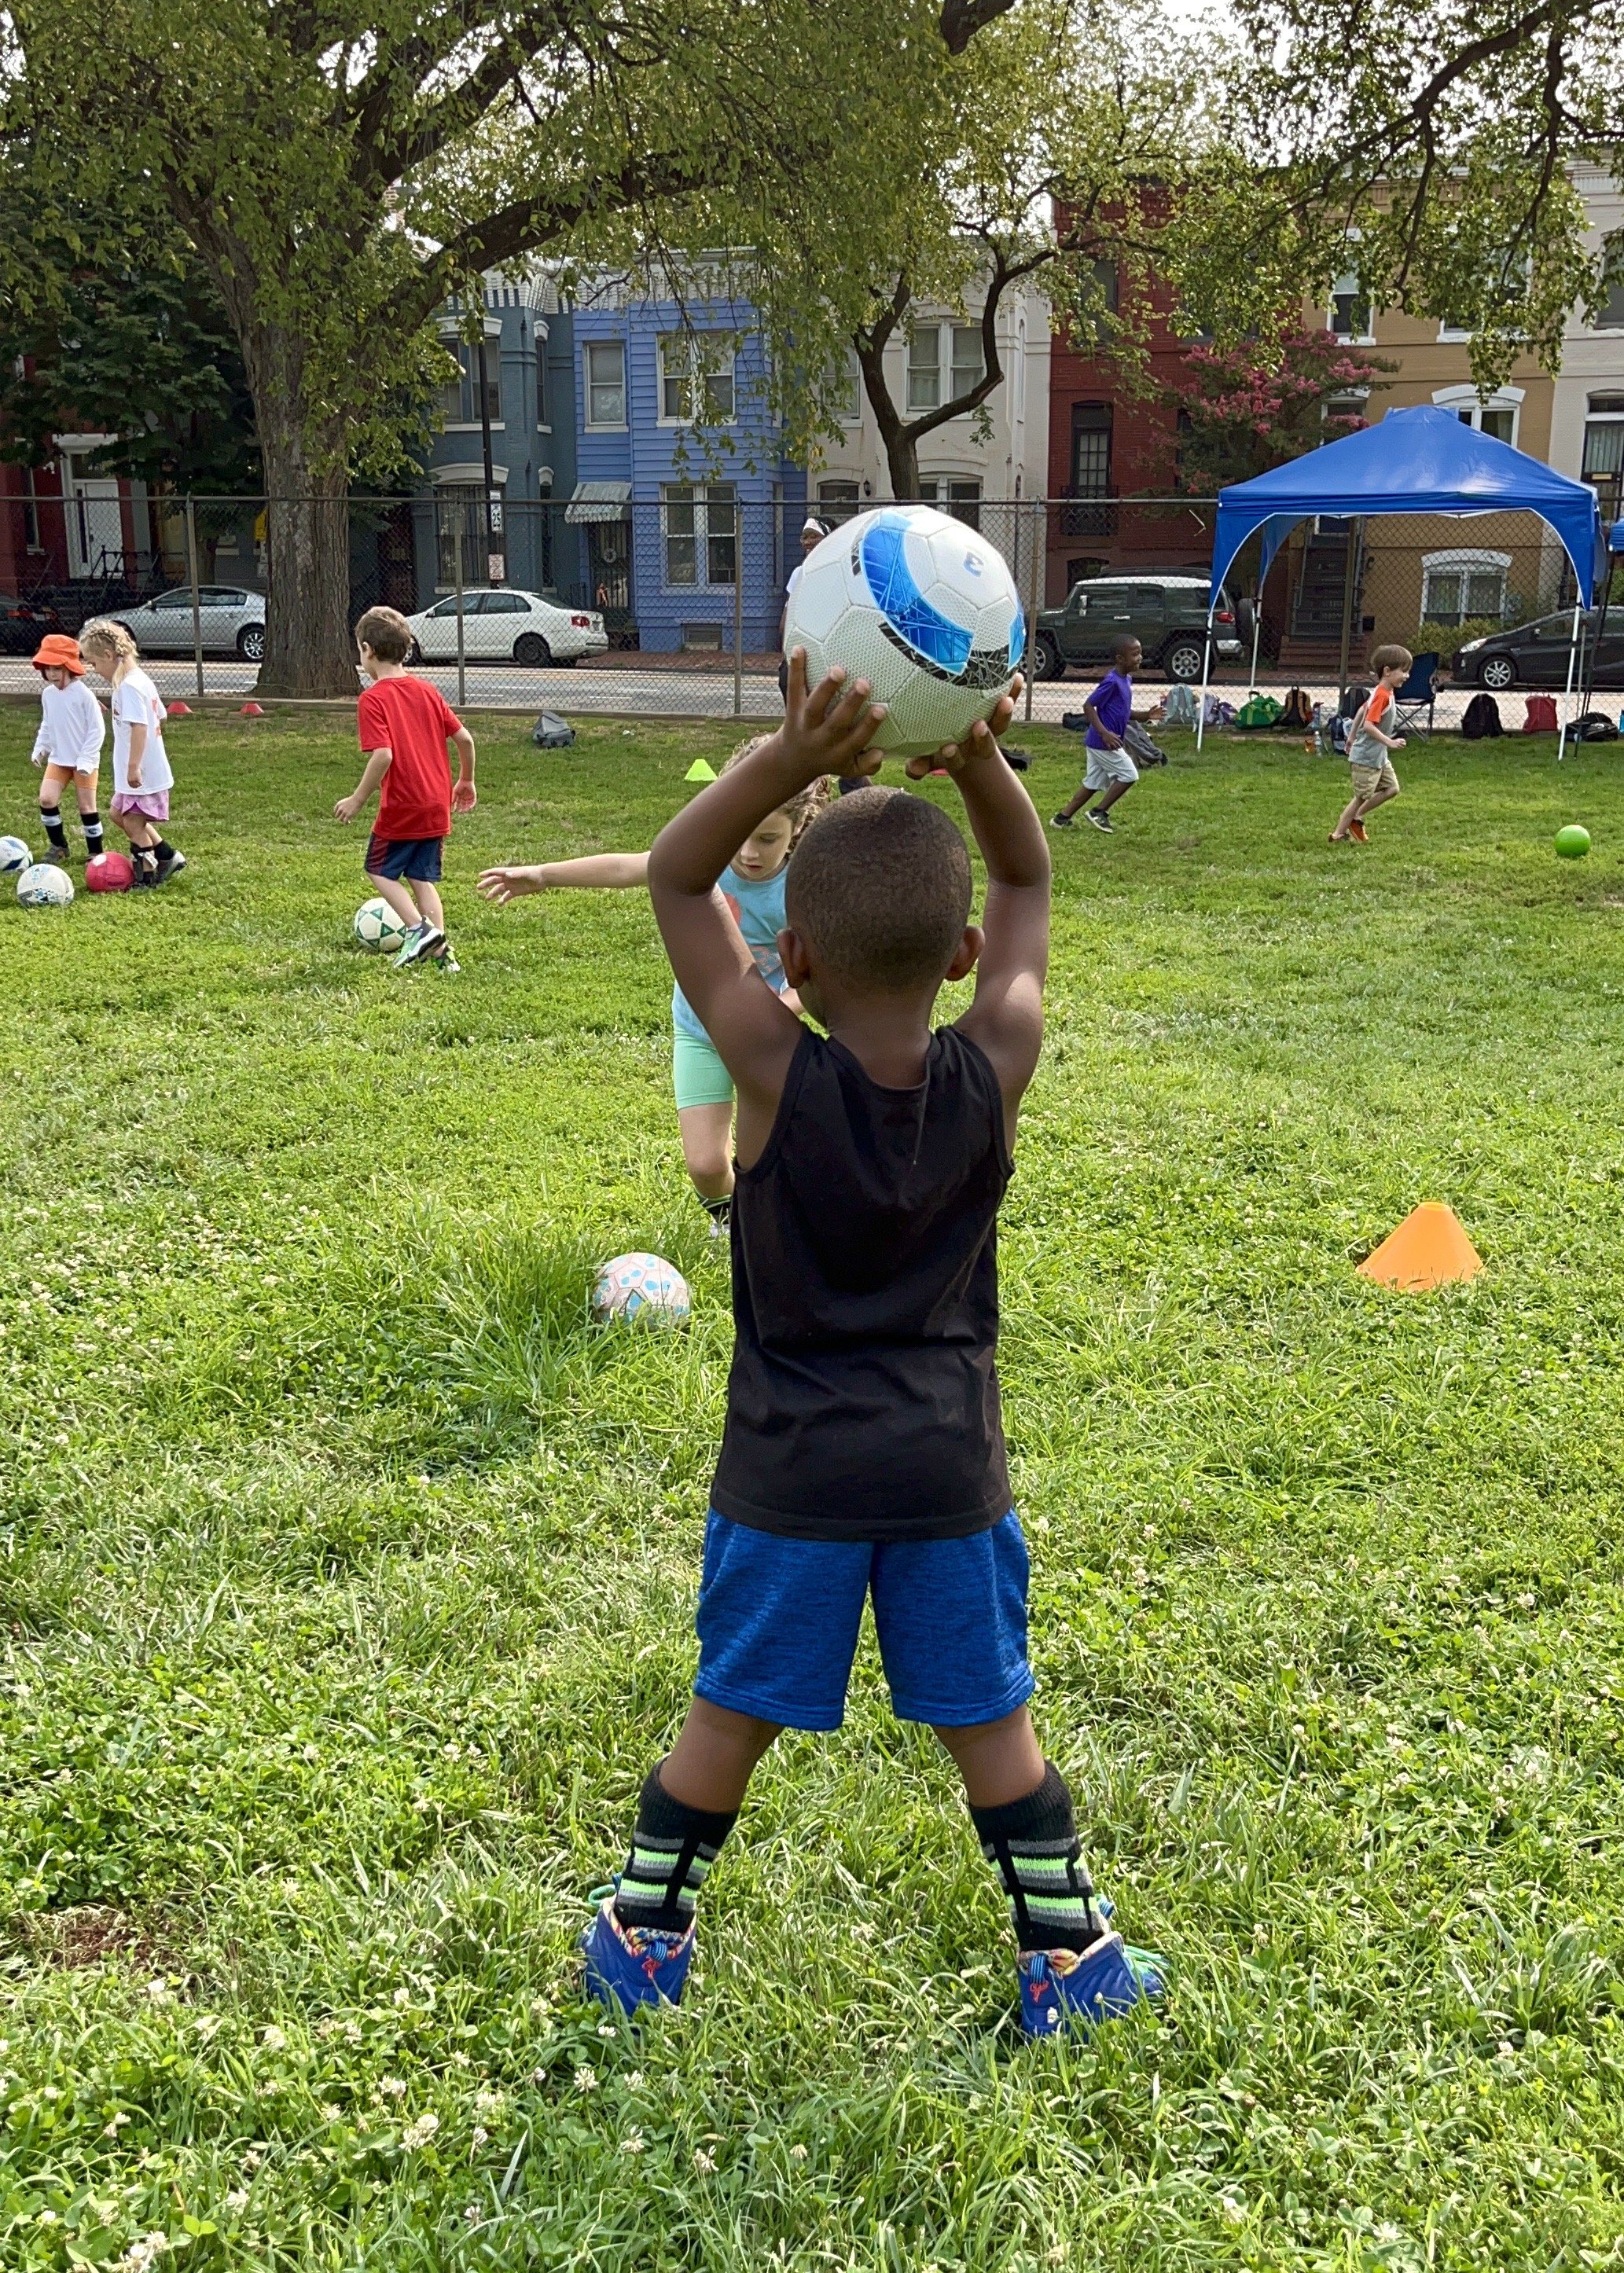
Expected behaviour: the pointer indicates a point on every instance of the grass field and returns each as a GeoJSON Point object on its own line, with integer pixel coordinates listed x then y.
{"type": "Point", "coordinates": [346, 1576]}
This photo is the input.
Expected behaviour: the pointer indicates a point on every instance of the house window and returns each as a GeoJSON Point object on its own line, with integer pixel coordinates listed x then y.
{"type": "Point", "coordinates": [960, 498]}
{"type": "Point", "coordinates": [701, 532]}
{"type": "Point", "coordinates": [606, 383]}
{"type": "Point", "coordinates": [969, 364]}
{"type": "Point", "coordinates": [1497, 417]}
{"type": "Point", "coordinates": [31, 514]}
{"type": "Point", "coordinates": [838, 501]}
{"type": "Point", "coordinates": [1091, 449]}
{"type": "Point", "coordinates": [1459, 585]}
{"type": "Point", "coordinates": [1610, 316]}
{"type": "Point", "coordinates": [1603, 450]}
{"type": "Point", "coordinates": [845, 389]}
{"type": "Point", "coordinates": [542, 415]}
{"type": "Point", "coordinates": [697, 379]}
{"type": "Point", "coordinates": [1349, 313]}
{"type": "Point", "coordinates": [458, 514]}
{"type": "Point", "coordinates": [925, 368]}
{"type": "Point", "coordinates": [459, 399]}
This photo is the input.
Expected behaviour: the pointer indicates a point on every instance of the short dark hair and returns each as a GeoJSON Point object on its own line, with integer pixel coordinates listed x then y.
{"type": "Point", "coordinates": [386, 632]}
{"type": "Point", "coordinates": [1124, 641]}
{"type": "Point", "coordinates": [1391, 657]}
{"type": "Point", "coordinates": [879, 888]}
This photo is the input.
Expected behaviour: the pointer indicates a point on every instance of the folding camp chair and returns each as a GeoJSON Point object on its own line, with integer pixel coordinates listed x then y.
{"type": "Point", "coordinates": [1414, 702]}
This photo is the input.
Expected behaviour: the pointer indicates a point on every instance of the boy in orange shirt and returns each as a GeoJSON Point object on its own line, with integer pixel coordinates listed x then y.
{"type": "Point", "coordinates": [1374, 780]}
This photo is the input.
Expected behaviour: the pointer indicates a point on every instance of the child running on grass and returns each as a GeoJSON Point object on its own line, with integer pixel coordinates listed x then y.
{"type": "Point", "coordinates": [1374, 780]}
{"type": "Point", "coordinates": [863, 1451]}
{"type": "Point", "coordinates": [68, 744]}
{"type": "Point", "coordinates": [142, 775]}
{"type": "Point", "coordinates": [1110, 713]}
{"type": "Point", "coordinates": [752, 884]}
{"type": "Point", "coordinates": [404, 725]}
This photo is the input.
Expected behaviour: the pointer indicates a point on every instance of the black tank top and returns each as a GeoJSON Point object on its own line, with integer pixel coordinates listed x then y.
{"type": "Point", "coordinates": [864, 1399]}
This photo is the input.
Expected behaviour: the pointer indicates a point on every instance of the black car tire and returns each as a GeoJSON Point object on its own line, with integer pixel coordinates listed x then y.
{"type": "Point", "coordinates": [1498, 673]}
{"type": "Point", "coordinates": [251, 643]}
{"type": "Point", "coordinates": [1047, 660]}
{"type": "Point", "coordinates": [1183, 657]}
{"type": "Point", "coordinates": [532, 651]}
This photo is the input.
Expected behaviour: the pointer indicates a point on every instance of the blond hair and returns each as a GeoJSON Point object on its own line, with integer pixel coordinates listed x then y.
{"type": "Point", "coordinates": [804, 807]}
{"type": "Point", "coordinates": [1392, 657]}
{"type": "Point", "coordinates": [110, 637]}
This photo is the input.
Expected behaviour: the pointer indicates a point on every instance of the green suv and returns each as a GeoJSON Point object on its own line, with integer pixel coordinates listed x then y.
{"type": "Point", "coordinates": [1166, 614]}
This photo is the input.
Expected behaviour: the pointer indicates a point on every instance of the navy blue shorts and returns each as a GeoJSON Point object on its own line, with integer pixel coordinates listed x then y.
{"type": "Point", "coordinates": [414, 858]}
{"type": "Point", "coordinates": [778, 1620]}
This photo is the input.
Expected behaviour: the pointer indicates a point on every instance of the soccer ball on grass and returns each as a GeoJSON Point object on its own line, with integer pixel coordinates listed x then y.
{"type": "Point", "coordinates": [42, 885]}
{"type": "Point", "coordinates": [377, 927]}
{"type": "Point", "coordinates": [109, 871]}
{"type": "Point", "coordinates": [14, 854]}
{"type": "Point", "coordinates": [643, 1288]}
{"type": "Point", "coordinates": [923, 608]}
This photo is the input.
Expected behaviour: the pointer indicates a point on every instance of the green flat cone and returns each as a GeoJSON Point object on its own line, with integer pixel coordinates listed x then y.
{"type": "Point", "coordinates": [700, 771]}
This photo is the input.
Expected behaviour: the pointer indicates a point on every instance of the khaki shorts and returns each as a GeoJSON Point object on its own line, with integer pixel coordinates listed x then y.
{"type": "Point", "coordinates": [1370, 781]}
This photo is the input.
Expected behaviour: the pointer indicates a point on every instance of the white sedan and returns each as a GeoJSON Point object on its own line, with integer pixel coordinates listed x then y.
{"type": "Point", "coordinates": [500, 623]}
{"type": "Point", "coordinates": [229, 621]}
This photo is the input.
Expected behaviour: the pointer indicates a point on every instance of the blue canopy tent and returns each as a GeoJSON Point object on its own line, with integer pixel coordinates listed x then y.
{"type": "Point", "coordinates": [1419, 460]}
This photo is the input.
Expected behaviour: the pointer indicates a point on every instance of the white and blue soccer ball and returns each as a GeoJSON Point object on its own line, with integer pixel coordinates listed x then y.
{"type": "Point", "coordinates": [922, 607]}
{"type": "Point", "coordinates": [643, 1288]}
{"type": "Point", "coordinates": [377, 926]}
{"type": "Point", "coordinates": [42, 885]}
{"type": "Point", "coordinates": [14, 854]}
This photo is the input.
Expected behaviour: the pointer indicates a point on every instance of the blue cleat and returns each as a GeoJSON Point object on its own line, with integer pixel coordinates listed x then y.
{"type": "Point", "coordinates": [1060, 1989]}
{"type": "Point", "coordinates": [633, 1965]}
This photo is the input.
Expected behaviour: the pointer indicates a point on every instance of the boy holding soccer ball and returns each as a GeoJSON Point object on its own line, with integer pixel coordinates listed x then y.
{"type": "Point", "coordinates": [863, 1450]}
{"type": "Point", "coordinates": [404, 725]}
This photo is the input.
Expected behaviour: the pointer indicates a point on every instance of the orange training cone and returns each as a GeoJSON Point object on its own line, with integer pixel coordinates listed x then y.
{"type": "Point", "coordinates": [1429, 1249]}
{"type": "Point", "coordinates": [179, 710]}
{"type": "Point", "coordinates": [251, 710]}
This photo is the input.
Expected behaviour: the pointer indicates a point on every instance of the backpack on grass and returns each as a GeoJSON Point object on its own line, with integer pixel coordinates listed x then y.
{"type": "Point", "coordinates": [1297, 712]}
{"type": "Point", "coordinates": [1482, 720]}
{"type": "Point", "coordinates": [551, 733]}
{"type": "Point", "coordinates": [1181, 707]}
{"type": "Point", "coordinates": [1539, 715]}
{"type": "Point", "coordinates": [1259, 710]}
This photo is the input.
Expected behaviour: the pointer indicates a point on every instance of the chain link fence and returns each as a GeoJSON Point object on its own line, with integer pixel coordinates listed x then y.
{"type": "Point", "coordinates": [671, 606]}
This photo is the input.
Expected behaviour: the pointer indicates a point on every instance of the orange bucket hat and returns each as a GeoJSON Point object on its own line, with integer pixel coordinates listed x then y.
{"type": "Point", "coordinates": [59, 652]}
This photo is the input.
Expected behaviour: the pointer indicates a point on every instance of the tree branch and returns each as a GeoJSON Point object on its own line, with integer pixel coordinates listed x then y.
{"type": "Point", "coordinates": [962, 19]}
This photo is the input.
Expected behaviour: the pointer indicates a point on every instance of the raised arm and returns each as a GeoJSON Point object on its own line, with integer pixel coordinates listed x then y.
{"type": "Point", "coordinates": [596, 872]}
{"type": "Point", "coordinates": [1006, 1017]}
{"type": "Point", "coordinates": [754, 1033]}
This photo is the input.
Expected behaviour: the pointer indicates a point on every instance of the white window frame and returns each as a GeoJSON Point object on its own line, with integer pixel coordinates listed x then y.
{"type": "Point", "coordinates": [468, 381]}
{"type": "Point", "coordinates": [589, 349]}
{"type": "Point", "coordinates": [701, 357]}
{"type": "Point", "coordinates": [1460, 399]}
{"type": "Point", "coordinates": [924, 332]}
{"type": "Point", "coordinates": [1345, 286]}
{"type": "Point", "coordinates": [1464, 562]}
{"type": "Point", "coordinates": [700, 496]}
{"type": "Point", "coordinates": [848, 403]}
{"type": "Point", "coordinates": [954, 366]}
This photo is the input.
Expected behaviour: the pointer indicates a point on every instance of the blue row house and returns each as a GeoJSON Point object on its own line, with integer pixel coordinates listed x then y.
{"type": "Point", "coordinates": [686, 504]}
{"type": "Point", "coordinates": [530, 400]}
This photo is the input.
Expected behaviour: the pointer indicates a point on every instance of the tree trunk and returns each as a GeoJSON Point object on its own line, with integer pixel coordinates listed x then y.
{"type": "Point", "coordinates": [309, 646]}
{"type": "Point", "coordinates": [902, 459]}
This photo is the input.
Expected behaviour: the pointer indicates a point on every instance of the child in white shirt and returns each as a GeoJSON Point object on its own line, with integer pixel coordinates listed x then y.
{"type": "Point", "coordinates": [142, 779]}
{"type": "Point", "coordinates": [68, 745]}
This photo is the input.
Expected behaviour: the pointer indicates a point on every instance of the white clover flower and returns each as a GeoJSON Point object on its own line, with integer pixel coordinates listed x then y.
{"type": "Point", "coordinates": [489, 2106]}
{"type": "Point", "coordinates": [331, 2113]}
{"type": "Point", "coordinates": [798, 2153]}
{"type": "Point", "coordinates": [634, 2081]}
{"type": "Point", "coordinates": [158, 1990]}
{"type": "Point", "coordinates": [633, 2143]}
{"type": "Point", "coordinates": [586, 2079]}
{"type": "Point", "coordinates": [390, 2086]}
{"type": "Point", "coordinates": [419, 2132]}
{"type": "Point", "coordinates": [473, 2214]}
{"type": "Point", "coordinates": [481, 2135]}
{"type": "Point", "coordinates": [703, 2163]}
{"type": "Point", "coordinates": [144, 2253]}
{"type": "Point", "coordinates": [237, 2199]}
{"type": "Point", "coordinates": [274, 2040]}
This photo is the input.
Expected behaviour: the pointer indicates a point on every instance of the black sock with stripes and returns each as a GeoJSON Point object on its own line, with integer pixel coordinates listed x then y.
{"type": "Point", "coordinates": [673, 1848]}
{"type": "Point", "coordinates": [1033, 1844]}
{"type": "Point", "coordinates": [52, 815]}
{"type": "Point", "coordinates": [91, 823]}
{"type": "Point", "coordinates": [719, 1211]}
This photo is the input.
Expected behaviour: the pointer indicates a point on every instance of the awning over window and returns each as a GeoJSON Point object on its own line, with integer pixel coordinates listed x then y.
{"type": "Point", "coordinates": [599, 501]}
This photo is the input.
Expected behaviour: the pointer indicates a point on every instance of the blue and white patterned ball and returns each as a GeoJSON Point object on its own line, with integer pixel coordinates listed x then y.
{"type": "Point", "coordinates": [14, 854]}
{"type": "Point", "coordinates": [43, 886]}
{"type": "Point", "coordinates": [644, 1288]}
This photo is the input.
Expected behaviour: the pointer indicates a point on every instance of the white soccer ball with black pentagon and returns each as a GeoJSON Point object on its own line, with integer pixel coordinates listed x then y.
{"type": "Point", "coordinates": [14, 854]}
{"type": "Point", "coordinates": [42, 885]}
{"type": "Point", "coordinates": [643, 1289]}
{"type": "Point", "coordinates": [923, 608]}
{"type": "Point", "coordinates": [377, 926]}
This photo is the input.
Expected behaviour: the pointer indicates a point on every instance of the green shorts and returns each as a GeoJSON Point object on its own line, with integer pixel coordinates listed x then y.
{"type": "Point", "coordinates": [697, 1072]}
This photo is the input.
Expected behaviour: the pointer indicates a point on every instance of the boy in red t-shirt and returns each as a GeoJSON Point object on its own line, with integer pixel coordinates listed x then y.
{"type": "Point", "coordinates": [1374, 780]}
{"type": "Point", "coordinates": [405, 724]}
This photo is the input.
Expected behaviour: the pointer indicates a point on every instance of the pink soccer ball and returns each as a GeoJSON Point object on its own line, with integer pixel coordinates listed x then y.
{"type": "Point", "coordinates": [109, 871]}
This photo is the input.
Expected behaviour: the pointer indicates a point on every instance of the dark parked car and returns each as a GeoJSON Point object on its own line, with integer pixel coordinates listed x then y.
{"type": "Point", "coordinates": [1167, 614]}
{"type": "Point", "coordinates": [24, 624]}
{"type": "Point", "coordinates": [1535, 654]}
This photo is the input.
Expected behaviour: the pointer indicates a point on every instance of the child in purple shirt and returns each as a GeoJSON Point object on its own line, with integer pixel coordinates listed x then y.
{"type": "Point", "coordinates": [1110, 711]}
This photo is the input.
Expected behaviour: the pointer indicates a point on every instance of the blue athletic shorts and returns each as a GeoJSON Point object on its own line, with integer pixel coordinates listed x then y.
{"type": "Point", "coordinates": [415, 859]}
{"type": "Point", "coordinates": [778, 1620]}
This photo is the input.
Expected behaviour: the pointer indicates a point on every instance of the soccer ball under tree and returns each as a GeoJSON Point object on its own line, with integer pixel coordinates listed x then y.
{"type": "Point", "coordinates": [378, 927]}
{"type": "Point", "coordinates": [644, 1287]}
{"type": "Point", "coordinates": [923, 608]}
{"type": "Point", "coordinates": [42, 885]}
